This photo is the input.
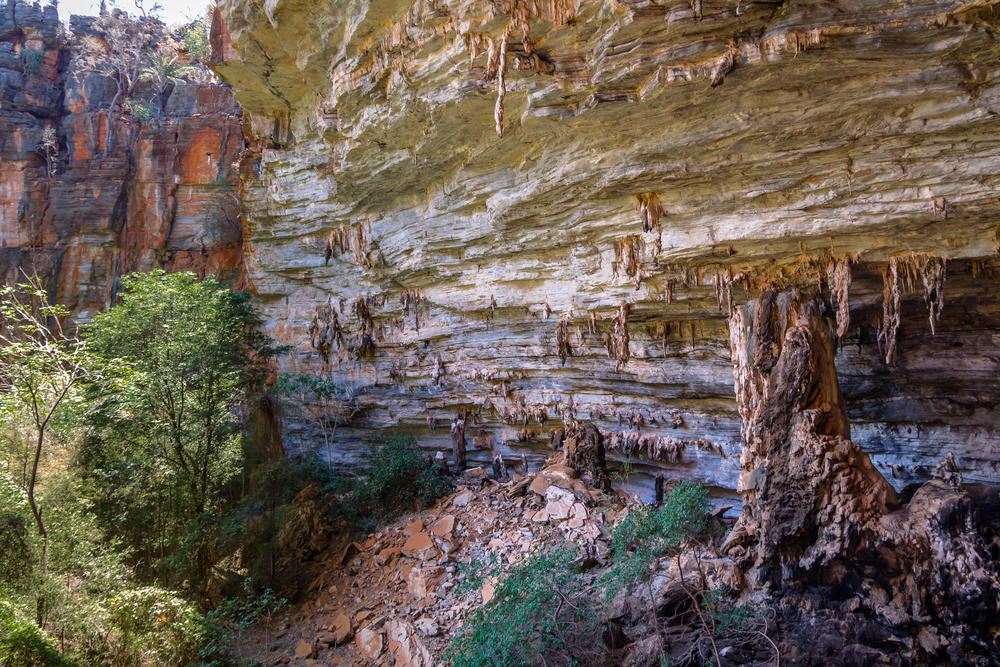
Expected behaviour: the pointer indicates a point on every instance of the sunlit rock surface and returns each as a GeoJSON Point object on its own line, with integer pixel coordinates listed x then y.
{"type": "Point", "coordinates": [160, 194]}
{"type": "Point", "coordinates": [757, 142]}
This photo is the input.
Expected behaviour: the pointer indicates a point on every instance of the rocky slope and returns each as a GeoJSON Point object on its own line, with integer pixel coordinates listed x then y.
{"type": "Point", "coordinates": [841, 571]}
{"type": "Point", "coordinates": [80, 209]}
{"type": "Point", "coordinates": [393, 593]}
{"type": "Point", "coordinates": [538, 210]}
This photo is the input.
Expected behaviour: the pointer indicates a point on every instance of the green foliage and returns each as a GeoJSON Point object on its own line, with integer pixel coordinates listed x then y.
{"type": "Point", "coordinates": [84, 570]}
{"type": "Point", "coordinates": [226, 623]}
{"type": "Point", "coordinates": [196, 41]}
{"type": "Point", "coordinates": [261, 517]}
{"type": "Point", "coordinates": [142, 110]}
{"type": "Point", "coordinates": [721, 614]}
{"type": "Point", "coordinates": [472, 575]}
{"type": "Point", "coordinates": [157, 626]}
{"type": "Point", "coordinates": [15, 537]}
{"type": "Point", "coordinates": [24, 644]}
{"type": "Point", "coordinates": [162, 67]}
{"type": "Point", "coordinates": [164, 440]}
{"type": "Point", "coordinates": [169, 370]}
{"type": "Point", "coordinates": [309, 385]}
{"type": "Point", "coordinates": [539, 614]}
{"type": "Point", "coordinates": [31, 60]}
{"type": "Point", "coordinates": [41, 364]}
{"type": "Point", "coordinates": [41, 368]}
{"type": "Point", "coordinates": [401, 476]}
{"type": "Point", "coordinates": [647, 533]}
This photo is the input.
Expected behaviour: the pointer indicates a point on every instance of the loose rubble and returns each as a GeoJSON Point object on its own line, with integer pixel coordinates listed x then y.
{"type": "Point", "coordinates": [392, 599]}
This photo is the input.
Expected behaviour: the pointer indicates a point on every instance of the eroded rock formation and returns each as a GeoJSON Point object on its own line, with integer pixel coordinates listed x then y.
{"type": "Point", "coordinates": [657, 165]}
{"type": "Point", "coordinates": [809, 492]}
{"type": "Point", "coordinates": [817, 515]}
{"type": "Point", "coordinates": [81, 208]}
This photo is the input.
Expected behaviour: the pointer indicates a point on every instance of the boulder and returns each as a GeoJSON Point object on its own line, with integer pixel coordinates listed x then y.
{"type": "Point", "coordinates": [303, 649]}
{"type": "Point", "coordinates": [405, 646]}
{"type": "Point", "coordinates": [444, 526]}
{"type": "Point", "coordinates": [370, 643]}
{"type": "Point", "coordinates": [341, 628]}
{"type": "Point", "coordinates": [420, 546]}
{"type": "Point", "coordinates": [423, 581]}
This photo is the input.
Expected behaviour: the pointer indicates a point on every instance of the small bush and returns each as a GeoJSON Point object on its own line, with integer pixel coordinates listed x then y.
{"type": "Point", "coordinates": [539, 614]}
{"type": "Point", "coordinates": [722, 613]}
{"type": "Point", "coordinates": [142, 110]}
{"type": "Point", "coordinates": [24, 644]}
{"type": "Point", "coordinates": [401, 476]}
{"type": "Point", "coordinates": [31, 60]}
{"type": "Point", "coordinates": [196, 42]}
{"type": "Point", "coordinates": [225, 625]}
{"type": "Point", "coordinates": [156, 625]}
{"type": "Point", "coordinates": [646, 534]}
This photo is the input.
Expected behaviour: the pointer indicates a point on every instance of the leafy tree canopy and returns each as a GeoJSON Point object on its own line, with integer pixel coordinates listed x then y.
{"type": "Point", "coordinates": [165, 433]}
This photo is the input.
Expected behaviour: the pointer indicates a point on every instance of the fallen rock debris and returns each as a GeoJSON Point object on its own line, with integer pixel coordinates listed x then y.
{"type": "Point", "coordinates": [391, 598]}
{"type": "Point", "coordinates": [393, 601]}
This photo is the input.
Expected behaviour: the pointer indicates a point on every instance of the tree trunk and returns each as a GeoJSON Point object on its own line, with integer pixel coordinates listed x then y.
{"type": "Point", "coordinates": [37, 512]}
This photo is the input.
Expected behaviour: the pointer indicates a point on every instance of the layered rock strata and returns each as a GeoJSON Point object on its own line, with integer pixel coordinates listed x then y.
{"type": "Point", "coordinates": [538, 210]}
{"type": "Point", "coordinates": [80, 208]}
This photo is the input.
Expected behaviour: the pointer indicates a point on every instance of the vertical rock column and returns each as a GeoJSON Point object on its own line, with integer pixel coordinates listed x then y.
{"type": "Point", "coordinates": [809, 493]}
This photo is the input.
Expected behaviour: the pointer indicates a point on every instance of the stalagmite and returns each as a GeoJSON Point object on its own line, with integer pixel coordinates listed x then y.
{"type": "Point", "coordinates": [583, 447]}
{"type": "Point", "coordinates": [458, 443]}
{"type": "Point", "coordinates": [806, 487]}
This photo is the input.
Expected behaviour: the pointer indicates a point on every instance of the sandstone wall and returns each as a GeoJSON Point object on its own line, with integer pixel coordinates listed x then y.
{"type": "Point", "coordinates": [163, 195]}
{"type": "Point", "coordinates": [479, 172]}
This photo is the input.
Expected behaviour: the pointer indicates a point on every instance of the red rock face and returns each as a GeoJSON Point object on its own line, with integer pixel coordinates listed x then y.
{"type": "Point", "coordinates": [158, 194]}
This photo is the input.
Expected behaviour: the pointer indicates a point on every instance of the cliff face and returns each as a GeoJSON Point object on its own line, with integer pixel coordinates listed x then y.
{"type": "Point", "coordinates": [532, 210]}
{"type": "Point", "coordinates": [81, 210]}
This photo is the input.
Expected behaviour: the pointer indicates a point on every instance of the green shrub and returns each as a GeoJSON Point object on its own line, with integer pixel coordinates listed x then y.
{"type": "Point", "coordinates": [31, 60]}
{"type": "Point", "coordinates": [647, 534]}
{"type": "Point", "coordinates": [142, 110]}
{"type": "Point", "coordinates": [156, 625]}
{"type": "Point", "coordinates": [722, 613]}
{"type": "Point", "coordinates": [539, 614]}
{"type": "Point", "coordinates": [196, 41]}
{"type": "Point", "coordinates": [401, 476]}
{"type": "Point", "coordinates": [226, 623]}
{"type": "Point", "coordinates": [24, 644]}
{"type": "Point", "coordinates": [15, 534]}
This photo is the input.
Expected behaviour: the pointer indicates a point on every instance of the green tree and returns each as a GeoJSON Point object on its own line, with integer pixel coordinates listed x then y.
{"type": "Point", "coordinates": [195, 36]}
{"type": "Point", "coordinates": [164, 440]}
{"type": "Point", "coordinates": [41, 366]}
